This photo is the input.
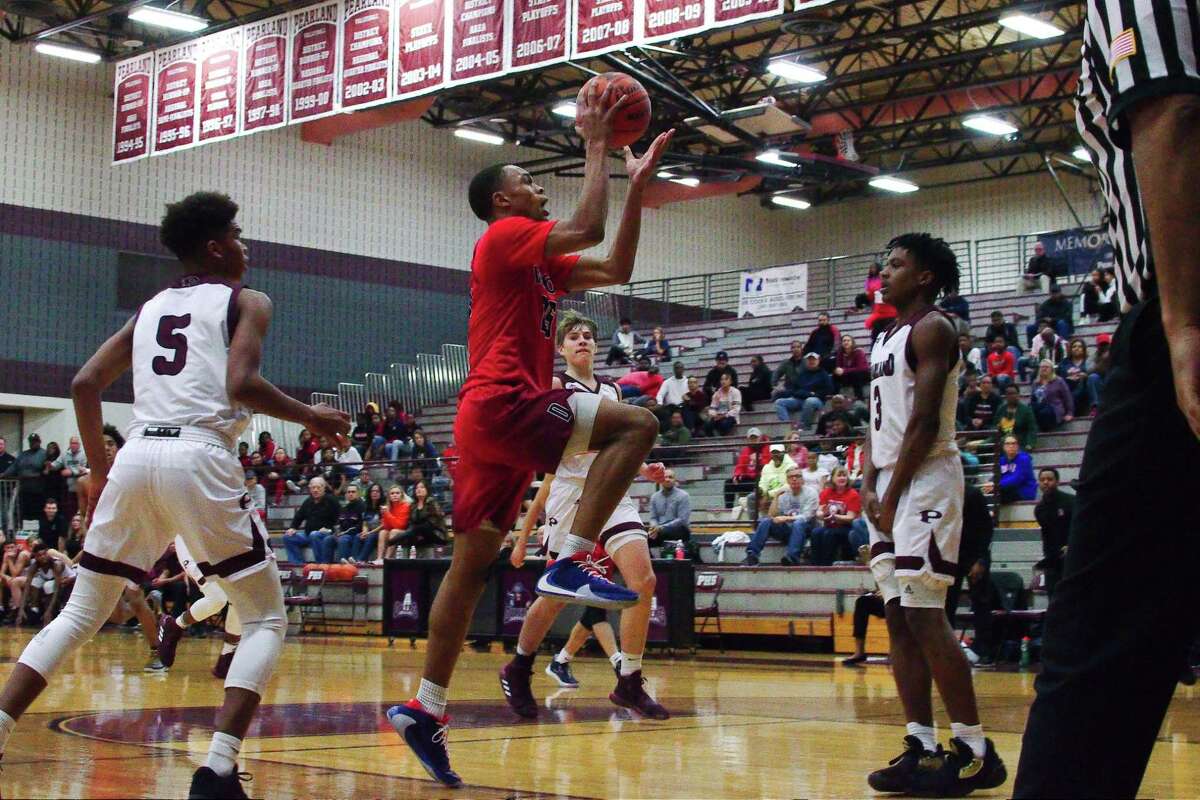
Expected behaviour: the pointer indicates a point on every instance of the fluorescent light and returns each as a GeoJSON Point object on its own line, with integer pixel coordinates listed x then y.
{"type": "Point", "coordinates": [162, 18]}
{"type": "Point", "coordinates": [478, 136]}
{"type": "Point", "coordinates": [564, 109]}
{"type": "Point", "coordinates": [693, 182]}
{"type": "Point", "coordinates": [987, 124]}
{"type": "Point", "coordinates": [892, 184]}
{"type": "Point", "coordinates": [774, 157]}
{"type": "Point", "coordinates": [86, 56]}
{"type": "Point", "coordinates": [1081, 154]}
{"type": "Point", "coordinates": [1030, 26]}
{"type": "Point", "coordinates": [665, 173]}
{"type": "Point", "coordinates": [791, 71]}
{"type": "Point", "coordinates": [790, 202]}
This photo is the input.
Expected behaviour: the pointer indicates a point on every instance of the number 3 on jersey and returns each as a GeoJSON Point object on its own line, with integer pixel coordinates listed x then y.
{"type": "Point", "coordinates": [168, 339]}
{"type": "Point", "coordinates": [877, 398]}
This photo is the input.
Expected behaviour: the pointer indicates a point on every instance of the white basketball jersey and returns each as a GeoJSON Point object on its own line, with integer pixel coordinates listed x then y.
{"type": "Point", "coordinates": [576, 467]}
{"type": "Point", "coordinates": [180, 352]}
{"type": "Point", "coordinates": [893, 382]}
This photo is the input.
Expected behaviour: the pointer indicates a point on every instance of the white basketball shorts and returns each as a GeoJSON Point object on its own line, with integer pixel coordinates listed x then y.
{"type": "Point", "coordinates": [918, 560]}
{"type": "Point", "coordinates": [622, 527]}
{"type": "Point", "coordinates": [162, 487]}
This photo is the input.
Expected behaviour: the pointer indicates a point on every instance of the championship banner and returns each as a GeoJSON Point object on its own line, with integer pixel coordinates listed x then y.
{"type": "Point", "coordinates": [538, 32]}
{"type": "Point", "coordinates": [732, 12]}
{"type": "Point", "coordinates": [366, 52]}
{"type": "Point", "coordinates": [131, 108]}
{"type": "Point", "coordinates": [220, 76]}
{"type": "Point", "coordinates": [175, 97]}
{"type": "Point", "coordinates": [265, 67]}
{"type": "Point", "coordinates": [775, 290]}
{"type": "Point", "coordinates": [668, 19]}
{"type": "Point", "coordinates": [1078, 251]}
{"type": "Point", "coordinates": [476, 39]}
{"type": "Point", "coordinates": [314, 62]}
{"type": "Point", "coordinates": [603, 25]}
{"type": "Point", "coordinates": [421, 46]}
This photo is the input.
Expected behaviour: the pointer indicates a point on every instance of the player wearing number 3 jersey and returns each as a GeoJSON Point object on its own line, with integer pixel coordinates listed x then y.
{"type": "Point", "coordinates": [194, 350]}
{"type": "Point", "coordinates": [913, 498]}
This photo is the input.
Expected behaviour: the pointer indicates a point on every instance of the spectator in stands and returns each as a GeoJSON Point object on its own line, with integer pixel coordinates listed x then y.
{"type": "Point", "coordinates": [789, 369]}
{"type": "Point", "coordinates": [823, 340]}
{"type": "Point", "coordinates": [266, 447]}
{"type": "Point", "coordinates": [978, 411]}
{"type": "Point", "coordinates": [624, 342]}
{"type": "Point", "coordinates": [795, 448]}
{"type": "Point", "coordinates": [1099, 373]}
{"type": "Point", "coordinates": [788, 518]}
{"type": "Point", "coordinates": [773, 478]}
{"type": "Point", "coordinates": [6, 458]}
{"type": "Point", "coordinates": [366, 545]}
{"type": "Point", "coordinates": [1059, 310]}
{"type": "Point", "coordinates": [72, 465]}
{"type": "Point", "coordinates": [350, 522]}
{"type": "Point", "coordinates": [971, 357]}
{"type": "Point", "coordinates": [855, 455]}
{"type": "Point", "coordinates": [641, 384]}
{"type": "Point", "coordinates": [1053, 513]}
{"type": "Point", "coordinates": [871, 288]}
{"type": "Point", "coordinates": [725, 408]}
{"type": "Point", "coordinates": [806, 393]}
{"type": "Point", "coordinates": [975, 564]}
{"type": "Point", "coordinates": [313, 524]}
{"type": "Point", "coordinates": [307, 451]}
{"type": "Point", "coordinates": [1000, 364]}
{"type": "Point", "coordinates": [712, 381]}
{"type": "Point", "coordinates": [1074, 369]}
{"type": "Point", "coordinates": [956, 305]}
{"type": "Point", "coordinates": [1047, 345]}
{"type": "Point", "coordinates": [814, 475]}
{"type": "Point", "coordinates": [838, 427]}
{"type": "Point", "coordinates": [865, 606]}
{"type": "Point", "coordinates": [1017, 480]}
{"type": "Point", "coordinates": [748, 467]}
{"type": "Point", "coordinates": [29, 470]}
{"type": "Point", "coordinates": [671, 395]}
{"type": "Point", "coordinates": [75, 536]}
{"type": "Point", "coordinates": [839, 408]}
{"type": "Point", "coordinates": [53, 483]}
{"type": "Point", "coordinates": [1040, 264]}
{"type": "Point", "coordinates": [759, 386]}
{"type": "Point", "coordinates": [256, 492]}
{"type": "Point", "coordinates": [395, 434]}
{"type": "Point", "coordinates": [1016, 419]}
{"type": "Point", "coordinates": [395, 515]}
{"type": "Point", "coordinates": [657, 348]}
{"type": "Point", "coordinates": [426, 520]}
{"type": "Point", "coordinates": [880, 319]}
{"type": "Point", "coordinates": [1051, 399]}
{"type": "Point", "coordinates": [1005, 330]}
{"type": "Point", "coordinates": [1100, 296]}
{"type": "Point", "coordinates": [52, 526]}
{"type": "Point", "coordinates": [243, 455]}
{"type": "Point", "coordinates": [363, 433]}
{"type": "Point", "coordinates": [670, 512]}
{"type": "Point", "coordinates": [695, 406]}
{"type": "Point", "coordinates": [415, 475]}
{"type": "Point", "coordinates": [851, 370]}
{"type": "Point", "coordinates": [672, 440]}
{"type": "Point", "coordinates": [839, 506]}
{"type": "Point", "coordinates": [424, 454]}
{"type": "Point", "coordinates": [168, 584]}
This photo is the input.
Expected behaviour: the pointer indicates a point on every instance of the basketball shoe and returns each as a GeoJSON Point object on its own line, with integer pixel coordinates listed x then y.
{"type": "Point", "coordinates": [898, 775]}
{"type": "Point", "coordinates": [561, 672]}
{"type": "Point", "coordinates": [577, 580]}
{"type": "Point", "coordinates": [960, 772]}
{"type": "Point", "coordinates": [631, 693]}
{"type": "Point", "coordinates": [425, 735]}
{"type": "Point", "coordinates": [515, 682]}
{"type": "Point", "coordinates": [208, 785]}
{"type": "Point", "coordinates": [169, 634]}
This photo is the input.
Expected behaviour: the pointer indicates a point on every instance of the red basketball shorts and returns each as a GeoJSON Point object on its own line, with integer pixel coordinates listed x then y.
{"type": "Point", "coordinates": [504, 436]}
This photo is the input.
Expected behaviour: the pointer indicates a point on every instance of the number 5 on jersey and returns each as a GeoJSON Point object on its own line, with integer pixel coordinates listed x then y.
{"type": "Point", "coordinates": [169, 339]}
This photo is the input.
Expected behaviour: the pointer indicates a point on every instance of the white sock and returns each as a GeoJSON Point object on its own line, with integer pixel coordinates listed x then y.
{"type": "Point", "coordinates": [521, 651]}
{"type": "Point", "coordinates": [563, 656]}
{"type": "Point", "coordinates": [575, 544]}
{"type": "Point", "coordinates": [223, 753]}
{"type": "Point", "coordinates": [972, 735]}
{"type": "Point", "coordinates": [433, 698]}
{"type": "Point", "coordinates": [227, 648]}
{"type": "Point", "coordinates": [7, 724]}
{"type": "Point", "coordinates": [630, 663]}
{"type": "Point", "coordinates": [923, 732]}
{"type": "Point", "coordinates": [615, 660]}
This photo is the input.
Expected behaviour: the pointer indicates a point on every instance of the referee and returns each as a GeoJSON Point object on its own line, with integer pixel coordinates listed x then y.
{"type": "Point", "coordinates": [1128, 605]}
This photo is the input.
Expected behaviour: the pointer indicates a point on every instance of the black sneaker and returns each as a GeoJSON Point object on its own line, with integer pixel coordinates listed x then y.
{"type": "Point", "coordinates": [561, 672]}
{"type": "Point", "coordinates": [208, 785]}
{"type": "Point", "coordinates": [960, 772]}
{"type": "Point", "coordinates": [169, 634]}
{"type": "Point", "coordinates": [788, 561]}
{"type": "Point", "coordinates": [898, 775]}
{"type": "Point", "coordinates": [631, 693]}
{"type": "Point", "coordinates": [749, 561]}
{"type": "Point", "coordinates": [515, 683]}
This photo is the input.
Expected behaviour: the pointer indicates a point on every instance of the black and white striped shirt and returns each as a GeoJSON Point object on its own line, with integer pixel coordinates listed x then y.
{"type": "Point", "coordinates": [1132, 50]}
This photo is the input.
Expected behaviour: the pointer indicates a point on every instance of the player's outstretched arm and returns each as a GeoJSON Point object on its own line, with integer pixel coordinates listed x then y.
{"type": "Point", "coordinates": [107, 364]}
{"type": "Point", "coordinates": [934, 339]}
{"type": "Point", "coordinates": [617, 267]}
{"type": "Point", "coordinates": [521, 540]}
{"type": "Point", "coordinates": [246, 384]}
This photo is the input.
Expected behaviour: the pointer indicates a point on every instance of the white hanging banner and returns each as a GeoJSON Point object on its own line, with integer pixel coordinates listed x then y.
{"type": "Point", "coordinates": [775, 290]}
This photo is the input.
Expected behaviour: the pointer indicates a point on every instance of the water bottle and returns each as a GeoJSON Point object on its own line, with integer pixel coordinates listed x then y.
{"type": "Point", "coordinates": [1026, 656]}
{"type": "Point", "coordinates": [412, 551]}
{"type": "Point", "coordinates": [679, 554]}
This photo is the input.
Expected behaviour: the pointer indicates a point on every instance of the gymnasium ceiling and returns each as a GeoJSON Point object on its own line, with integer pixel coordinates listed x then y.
{"type": "Point", "coordinates": [901, 76]}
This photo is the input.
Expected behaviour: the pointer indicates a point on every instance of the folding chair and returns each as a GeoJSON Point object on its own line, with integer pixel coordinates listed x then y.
{"type": "Point", "coordinates": [306, 593]}
{"type": "Point", "coordinates": [709, 583]}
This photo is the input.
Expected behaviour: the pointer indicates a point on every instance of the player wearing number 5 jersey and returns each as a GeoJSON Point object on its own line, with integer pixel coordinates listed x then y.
{"type": "Point", "coordinates": [194, 349]}
{"type": "Point", "coordinates": [913, 499]}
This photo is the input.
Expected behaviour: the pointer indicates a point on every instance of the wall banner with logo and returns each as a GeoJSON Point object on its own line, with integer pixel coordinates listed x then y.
{"type": "Point", "coordinates": [775, 290]}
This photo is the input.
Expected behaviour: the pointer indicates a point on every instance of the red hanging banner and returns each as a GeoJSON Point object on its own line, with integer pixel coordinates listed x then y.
{"type": "Point", "coordinates": [366, 52]}
{"type": "Point", "coordinates": [175, 97]}
{"type": "Point", "coordinates": [420, 46]}
{"type": "Point", "coordinates": [314, 62]}
{"type": "Point", "coordinates": [539, 32]}
{"type": "Point", "coordinates": [131, 108]}
{"type": "Point", "coordinates": [602, 25]}
{"type": "Point", "coordinates": [265, 69]}
{"type": "Point", "coordinates": [220, 77]}
{"type": "Point", "coordinates": [476, 39]}
{"type": "Point", "coordinates": [668, 19]}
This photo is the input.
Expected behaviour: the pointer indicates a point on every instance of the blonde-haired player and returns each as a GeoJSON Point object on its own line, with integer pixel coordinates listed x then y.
{"type": "Point", "coordinates": [622, 543]}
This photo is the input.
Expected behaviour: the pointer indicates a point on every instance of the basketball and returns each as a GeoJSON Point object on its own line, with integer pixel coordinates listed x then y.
{"type": "Point", "coordinates": [632, 120]}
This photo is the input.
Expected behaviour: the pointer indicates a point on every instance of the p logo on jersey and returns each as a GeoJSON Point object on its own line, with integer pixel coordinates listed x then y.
{"type": "Point", "coordinates": [929, 515]}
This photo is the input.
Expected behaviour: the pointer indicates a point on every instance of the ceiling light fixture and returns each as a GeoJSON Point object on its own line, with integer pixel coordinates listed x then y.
{"type": "Point", "coordinates": [892, 184]}
{"type": "Point", "coordinates": [692, 182]}
{"type": "Point", "coordinates": [788, 201]}
{"type": "Point", "coordinates": [162, 18]}
{"type": "Point", "coordinates": [790, 70]}
{"type": "Point", "coordinates": [564, 109]}
{"type": "Point", "coordinates": [1081, 154]}
{"type": "Point", "coordinates": [988, 124]}
{"type": "Point", "coordinates": [774, 157]}
{"type": "Point", "coordinates": [74, 54]}
{"type": "Point", "coordinates": [1030, 26]}
{"type": "Point", "coordinates": [478, 136]}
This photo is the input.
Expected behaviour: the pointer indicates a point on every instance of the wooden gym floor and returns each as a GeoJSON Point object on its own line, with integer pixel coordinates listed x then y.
{"type": "Point", "coordinates": [744, 726]}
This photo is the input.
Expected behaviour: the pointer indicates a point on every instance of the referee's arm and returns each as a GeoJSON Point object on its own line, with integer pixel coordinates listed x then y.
{"type": "Point", "coordinates": [1166, 156]}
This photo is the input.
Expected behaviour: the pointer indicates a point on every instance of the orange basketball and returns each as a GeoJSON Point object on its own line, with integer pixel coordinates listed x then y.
{"type": "Point", "coordinates": [632, 120]}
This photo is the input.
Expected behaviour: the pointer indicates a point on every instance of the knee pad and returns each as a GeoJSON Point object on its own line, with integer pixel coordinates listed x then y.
{"type": "Point", "coordinates": [257, 600]}
{"type": "Point", "coordinates": [91, 602]}
{"type": "Point", "coordinates": [922, 591]}
{"type": "Point", "coordinates": [592, 616]}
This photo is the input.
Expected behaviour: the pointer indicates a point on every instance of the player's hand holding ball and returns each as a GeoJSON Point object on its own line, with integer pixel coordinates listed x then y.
{"type": "Point", "coordinates": [613, 108]}
{"type": "Point", "coordinates": [325, 420]}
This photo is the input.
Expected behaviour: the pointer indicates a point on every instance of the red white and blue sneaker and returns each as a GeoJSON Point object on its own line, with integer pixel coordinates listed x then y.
{"type": "Point", "coordinates": [425, 735]}
{"type": "Point", "coordinates": [561, 672]}
{"type": "Point", "coordinates": [576, 580]}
